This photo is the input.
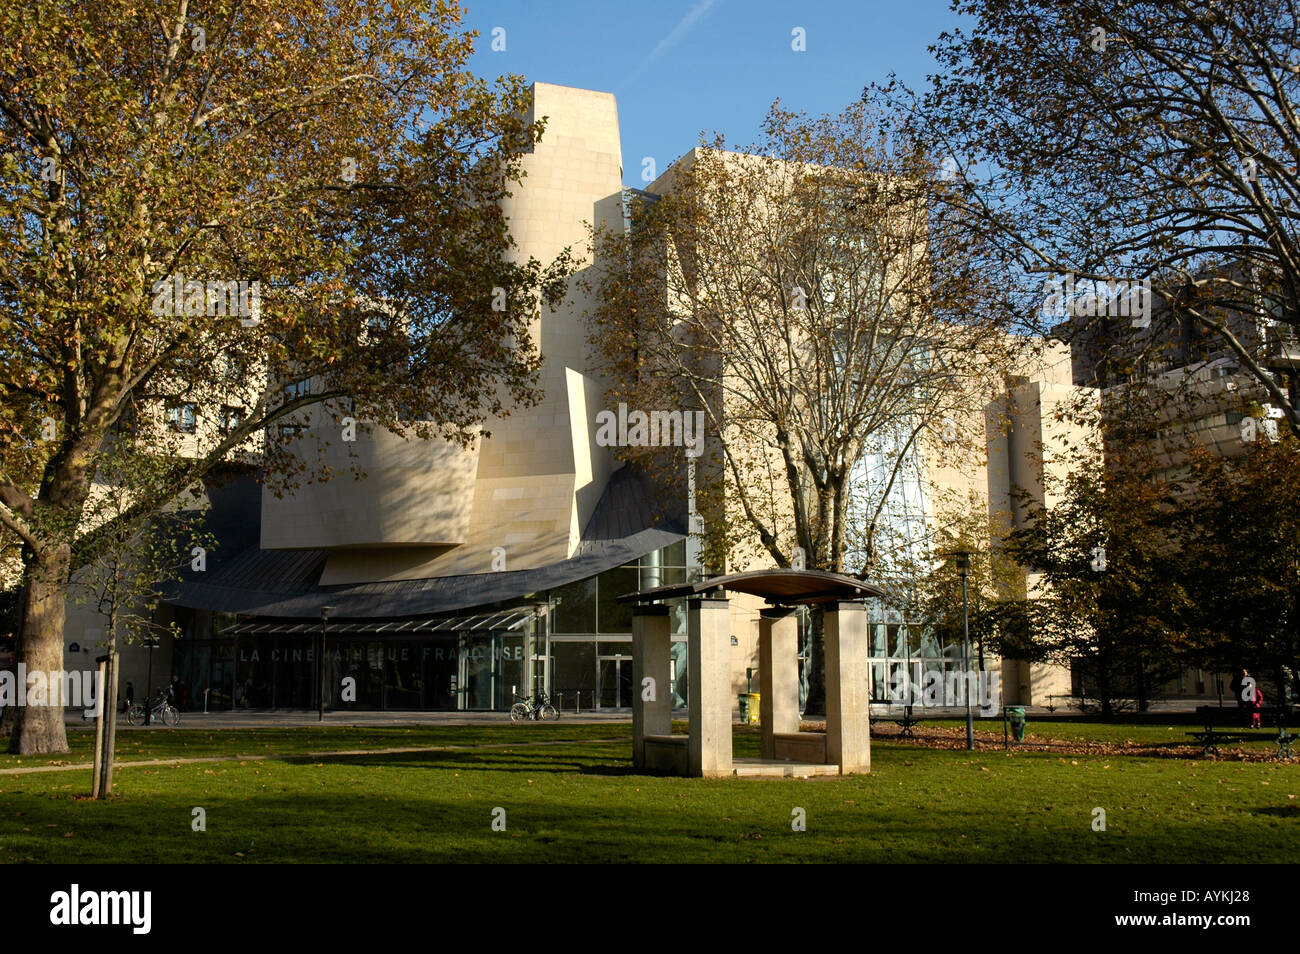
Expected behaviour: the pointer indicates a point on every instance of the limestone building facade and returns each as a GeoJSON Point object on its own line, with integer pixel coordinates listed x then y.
{"type": "Point", "coordinates": [461, 578]}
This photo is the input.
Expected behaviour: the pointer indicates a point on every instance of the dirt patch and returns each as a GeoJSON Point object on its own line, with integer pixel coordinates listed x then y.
{"type": "Point", "coordinates": [944, 737]}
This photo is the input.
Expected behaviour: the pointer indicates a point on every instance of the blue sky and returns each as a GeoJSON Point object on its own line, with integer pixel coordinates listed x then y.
{"type": "Point", "coordinates": [680, 67]}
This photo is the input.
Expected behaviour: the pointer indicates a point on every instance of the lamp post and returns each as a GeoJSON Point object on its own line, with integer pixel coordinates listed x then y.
{"type": "Point", "coordinates": [320, 661]}
{"type": "Point", "coordinates": [151, 643]}
{"type": "Point", "coordinates": [906, 635]}
{"type": "Point", "coordinates": [963, 570]}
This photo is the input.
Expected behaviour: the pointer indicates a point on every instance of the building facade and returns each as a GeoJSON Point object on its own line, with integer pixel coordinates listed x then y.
{"type": "Point", "coordinates": [460, 578]}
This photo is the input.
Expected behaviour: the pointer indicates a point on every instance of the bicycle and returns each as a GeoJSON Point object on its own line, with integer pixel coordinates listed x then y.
{"type": "Point", "coordinates": [161, 711]}
{"type": "Point", "coordinates": [536, 708]}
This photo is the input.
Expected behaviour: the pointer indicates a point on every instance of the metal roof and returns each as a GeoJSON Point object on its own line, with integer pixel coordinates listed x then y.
{"type": "Point", "coordinates": [779, 587]}
{"type": "Point", "coordinates": [481, 622]}
{"type": "Point", "coordinates": [284, 584]}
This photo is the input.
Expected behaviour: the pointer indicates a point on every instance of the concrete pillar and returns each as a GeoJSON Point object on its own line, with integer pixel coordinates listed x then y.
{"type": "Point", "coordinates": [650, 653]}
{"type": "Point", "coordinates": [848, 688]}
{"type": "Point", "coordinates": [778, 675]}
{"type": "Point", "coordinates": [709, 677]}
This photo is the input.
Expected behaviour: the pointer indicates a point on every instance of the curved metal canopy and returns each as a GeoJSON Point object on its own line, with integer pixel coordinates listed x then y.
{"type": "Point", "coordinates": [779, 587]}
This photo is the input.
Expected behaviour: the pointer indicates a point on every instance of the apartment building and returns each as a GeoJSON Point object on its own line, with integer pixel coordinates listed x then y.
{"type": "Point", "coordinates": [1185, 376]}
{"type": "Point", "coordinates": [1175, 385]}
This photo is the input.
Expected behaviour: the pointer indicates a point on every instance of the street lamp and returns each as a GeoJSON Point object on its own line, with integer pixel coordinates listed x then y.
{"type": "Point", "coordinates": [320, 660]}
{"type": "Point", "coordinates": [150, 643]}
{"type": "Point", "coordinates": [963, 570]}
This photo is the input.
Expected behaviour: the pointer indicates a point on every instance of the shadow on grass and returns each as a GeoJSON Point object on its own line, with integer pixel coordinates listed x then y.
{"type": "Point", "coordinates": [499, 760]}
{"type": "Point", "coordinates": [673, 820]}
{"type": "Point", "coordinates": [1281, 811]}
{"type": "Point", "coordinates": [612, 771]}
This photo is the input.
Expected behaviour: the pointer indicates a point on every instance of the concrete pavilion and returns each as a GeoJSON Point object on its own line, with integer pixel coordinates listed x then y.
{"type": "Point", "coordinates": [705, 751]}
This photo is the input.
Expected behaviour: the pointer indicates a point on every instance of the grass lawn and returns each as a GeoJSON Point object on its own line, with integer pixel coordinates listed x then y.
{"type": "Point", "coordinates": [576, 800]}
{"type": "Point", "coordinates": [157, 742]}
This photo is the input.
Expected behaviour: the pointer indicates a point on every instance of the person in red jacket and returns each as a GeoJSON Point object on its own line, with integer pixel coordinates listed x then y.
{"type": "Point", "coordinates": [1256, 705]}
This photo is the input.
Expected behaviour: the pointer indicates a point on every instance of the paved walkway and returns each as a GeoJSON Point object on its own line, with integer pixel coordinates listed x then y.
{"type": "Point", "coordinates": [250, 719]}
{"type": "Point", "coordinates": [255, 718]}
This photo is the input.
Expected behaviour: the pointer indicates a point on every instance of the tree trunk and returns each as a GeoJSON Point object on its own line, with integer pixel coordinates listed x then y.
{"type": "Point", "coordinates": [1103, 682]}
{"type": "Point", "coordinates": [101, 724]}
{"type": "Point", "coordinates": [110, 730]}
{"type": "Point", "coordinates": [107, 728]}
{"type": "Point", "coordinates": [40, 729]}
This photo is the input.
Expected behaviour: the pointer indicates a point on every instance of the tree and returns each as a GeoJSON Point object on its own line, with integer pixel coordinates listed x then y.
{"type": "Point", "coordinates": [1242, 533]}
{"type": "Point", "coordinates": [1108, 593]}
{"type": "Point", "coordinates": [264, 206]}
{"type": "Point", "coordinates": [1130, 141]}
{"type": "Point", "coordinates": [803, 297]}
{"type": "Point", "coordinates": [994, 586]}
{"type": "Point", "coordinates": [136, 556]}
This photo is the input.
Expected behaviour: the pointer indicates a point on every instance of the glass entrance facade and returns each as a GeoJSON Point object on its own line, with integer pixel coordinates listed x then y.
{"type": "Point", "coordinates": [448, 671]}
{"type": "Point", "coordinates": [578, 648]}
{"type": "Point", "coordinates": [590, 632]}
{"type": "Point", "coordinates": [899, 650]}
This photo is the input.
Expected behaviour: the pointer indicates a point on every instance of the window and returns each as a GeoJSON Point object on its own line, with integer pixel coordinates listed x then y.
{"type": "Point", "coordinates": [291, 432]}
{"type": "Point", "coordinates": [297, 389]}
{"type": "Point", "coordinates": [182, 418]}
{"type": "Point", "coordinates": [613, 616]}
{"type": "Point", "coordinates": [573, 607]}
{"type": "Point", "coordinates": [231, 418]}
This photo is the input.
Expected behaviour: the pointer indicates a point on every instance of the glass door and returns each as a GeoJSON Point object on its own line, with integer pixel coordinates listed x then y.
{"type": "Point", "coordinates": [615, 688]}
{"type": "Point", "coordinates": [539, 677]}
{"type": "Point", "coordinates": [510, 676]}
{"type": "Point", "coordinates": [403, 679]}
{"type": "Point", "coordinates": [478, 672]}
{"type": "Point", "coordinates": [222, 683]}
{"type": "Point", "coordinates": [441, 657]}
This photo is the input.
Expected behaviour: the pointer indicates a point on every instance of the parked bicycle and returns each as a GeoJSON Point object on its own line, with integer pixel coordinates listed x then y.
{"type": "Point", "coordinates": [161, 711]}
{"type": "Point", "coordinates": [535, 708]}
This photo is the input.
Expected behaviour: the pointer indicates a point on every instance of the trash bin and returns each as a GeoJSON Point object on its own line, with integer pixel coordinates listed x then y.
{"type": "Point", "coordinates": [754, 710]}
{"type": "Point", "coordinates": [749, 710]}
{"type": "Point", "coordinates": [1016, 716]}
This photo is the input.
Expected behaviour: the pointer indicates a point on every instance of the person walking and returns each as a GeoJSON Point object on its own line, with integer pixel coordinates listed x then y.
{"type": "Point", "coordinates": [1256, 706]}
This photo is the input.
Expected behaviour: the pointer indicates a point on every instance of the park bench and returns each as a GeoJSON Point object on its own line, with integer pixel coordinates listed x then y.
{"type": "Point", "coordinates": [1225, 725]}
{"type": "Point", "coordinates": [905, 722]}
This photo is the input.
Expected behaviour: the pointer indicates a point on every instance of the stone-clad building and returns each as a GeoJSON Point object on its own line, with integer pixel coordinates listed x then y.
{"type": "Point", "coordinates": [454, 578]}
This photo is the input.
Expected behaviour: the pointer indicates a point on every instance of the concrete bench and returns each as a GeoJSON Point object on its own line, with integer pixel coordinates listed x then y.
{"type": "Point", "coordinates": [800, 746]}
{"type": "Point", "coordinates": [667, 754]}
